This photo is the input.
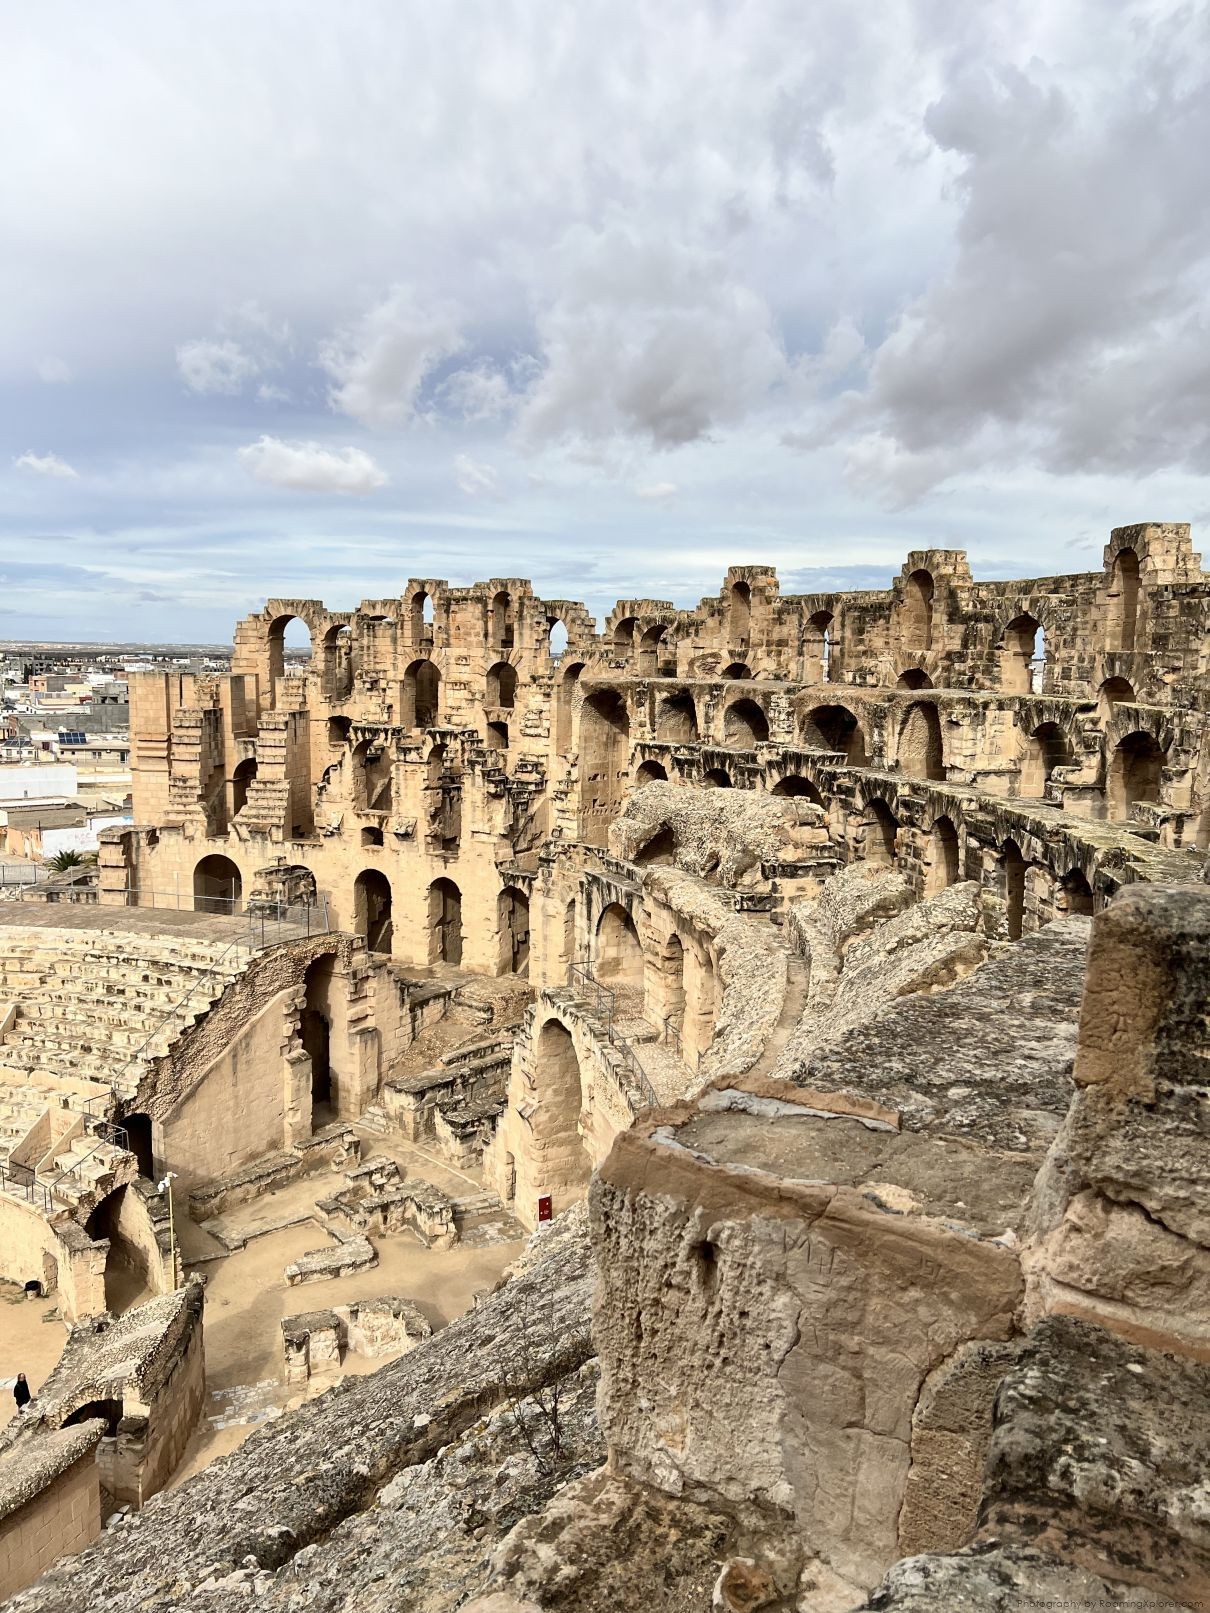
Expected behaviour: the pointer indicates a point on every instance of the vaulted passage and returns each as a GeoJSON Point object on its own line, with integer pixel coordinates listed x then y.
{"type": "Point", "coordinates": [604, 762]}
{"type": "Point", "coordinates": [1134, 773]}
{"type": "Point", "coordinates": [834, 728]}
{"type": "Point", "coordinates": [372, 909]}
{"type": "Point", "coordinates": [920, 749]}
{"type": "Point", "coordinates": [745, 725]}
{"type": "Point", "coordinates": [512, 923]}
{"type": "Point", "coordinates": [943, 863]}
{"type": "Point", "coordinates": [619, 956]}
{"type": "Point", "coordinates": [445, 922]}
{"type": "Point", "coordinates": [217, 886]}
{"type": "Point", "coordinates": [676, 720]}
{"type": "Point", "coordinates": [566, 1160]}
{"type": "Point", "coordinates": [316, 1033]}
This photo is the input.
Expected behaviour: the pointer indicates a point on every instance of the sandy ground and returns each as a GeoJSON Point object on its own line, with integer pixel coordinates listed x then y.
{"type": "Point", "coordinates": [247, 1295]}
{"type": "Point", "coordinates": [28, 1342]}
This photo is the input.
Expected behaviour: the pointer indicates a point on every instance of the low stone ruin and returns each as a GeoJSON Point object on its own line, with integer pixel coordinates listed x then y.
{"type": "Point", "coordinates": [314, 1342]}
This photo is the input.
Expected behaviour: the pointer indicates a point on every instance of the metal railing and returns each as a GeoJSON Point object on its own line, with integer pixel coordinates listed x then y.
{"type": "Point", "coordinates": [23, 874]}
{"type": "Point", "coordinates": [20, 1181]}
{"type": "Point", "coordinates": [603, 1000]}
{"type": "Point", "coordinates": [268, 921]}
{"type": "Point", "coordinates": [174, 1012]}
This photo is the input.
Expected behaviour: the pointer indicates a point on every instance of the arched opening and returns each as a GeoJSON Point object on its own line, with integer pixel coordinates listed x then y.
{"type": "Point", "coordinates": [1123, 601]}
{"type": "Point", "coordinates": [338, 662]}
{"type": "Point", "coordinates": [920, 748]}
{"type": "Point", "coordinates": [623, 636]}
{"type": "Point", "coordinates": [1115, 692]}
{"type": "Point", "coordinates": [240, 780]}
{"type": "Point", "coordinates": [139, 1140]}
{"type": "Point", "coordinates": [316, 1035]}
{"type": "Point", "coordinates": [110, 1412]}
{"type": "Point", "coordinates": [701, 1003]}
{"type": "Point", "coordinates": [881, 829]}
{"type": "Point", "coordinates": [555, 1122]}
{"type": "Point", "coordinates": [670, 978]}
{"type": "Point", "coordinates": [512, 923]}
{"type": "Point", "coordinates": [497, 736]}
{"type": "Point", "coordinates": [737, 672]}
{"type": "Point", "coordinates": [942, 871]}
{"type": "Point", "coordinates": [289, 646]}
{"type": "Point", "coordinates": [604, 762]}
{"type": "Point", "coordinates": [422, 619]}
{"type": "Point", "coordinates": [836, 729]}
{"type": "Point", "coordinates": [1134, 774]}
{"type": "Point", "coordinates": [502, 621]}
{"type": "Point", "coordinates": [914, 678]}
{"type": "Point", "coordinates": [651, 773]}
{"type": "Point", "coordinates": [1046, 750]}
{"type": "Point", "coordinates": [502, 685]}
{"type": "Point", "coordinates": [1075, 894]}
{"type": "Point", "coordinates": [819, 647]}
{"type": "Point", "coordinates": [564, 726]}
{"type": "Point", "coordinates": [1013, 865]}
{"type": "Point", "coordinates": [421, 695]}
{"type": "Point", "coordinates": [372, 909]}
{"type": "Point", "coordinates": [217, 886]}
{"type": "Point", "coordinates": [717, 778]}
{"type": "Point", "coordinates": [445, 922]}
{"type": "Point", "coordinates": [651, 646]}
{"type": "Point", "coordinates": [916, 613]}
{"type": "Point", "coordinates": [1017, 648]}
{"type": "Point", "coordinates": [372, 836]}
{"type": "Point", "coordinates": [740, 614]}
{"type": "Point", "coordinates": [745, 725]}
{"type": "Point", "coordinates": [556, 643]}
{"type": "Point", "coordinates": [338, 732]}
{"type": "Point", "coordinates": [618, 953]}
{"type": "Point", "coordinates": [661, 848]}
{"type": "Point", "coordinates": [372, 790]}
{"type": "Point", "coordinates": [120, 1219]}
{"type": "Point", "coordinates": [676, 720]}
{"type": "Point", "coordinates": [795, 785]}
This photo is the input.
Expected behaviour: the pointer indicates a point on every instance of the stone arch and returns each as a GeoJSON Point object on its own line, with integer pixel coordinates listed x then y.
{"type": "Point", "coordinates": [944, 857]}
{"type": "Point", "coordinates": [834, 728]}
{"type": "Point", "coordinates": [676, 719]}
{"type": "Point", "coordinates": [218, 886]}
{"type": "Point", "coordinates": [128, 1276]}
{"type": "Point", "coordinates": [140, 1141]}
{"type": "Point", "coordinates": [422, 613]}
{"type": "Point", "coordinates": [512, 924]}
{"type": "Point", "coordinates": [1012, 868]}
{"type": "Point", "coordinates": [660, 848]}
{"type": "Point", "coordinates": [794, 784]}
{"type": "Point", "coordinates": [244, 775]}
{"type": "Point", "coordinates": [338, 661]}
{"type": "Point", "coordinates": [914, 677]}
{"type": "Point", "coordinates": [287, 632]}
{"type": "Point", "coordinates": [503, 625]}
{"type": "Point", "coordinates": [623, 635]}
{"type": "Point", "coordinates": [569, 678]}
{"type": "Point", "coordinates": [921, 753]}
{"type": "Point", "coordinates": [557, 638]}
{"type": "Point", "coordinates": [881, 829]}
{"type": "Point", "coordinates": [819, 647]}
{"type": "Point", "coordinates": [669, 984]}
{"type": "Point", "coordinates": [604, 762]}
{"type": "Point", "coordinates": [1047, 749]}
{"type": "Point", "coordinates": [1122, 601]}
{"type": "Point", "coordinates": [739, 616]}
{"type": "Point", "coordinates": [1114, 692]}
{"type": "Point", "coordinates": [618, 954]}
{"type": "Point", "coordinates": [651, 773]}
{"type": "Point", "coordinates": [652, 656]}
{"type": "Point", "coordinates": [737, 672]}
{"type": "Point", "coordinates": [745, 725]}
{"type": "Point", "coordinates": [445, 922]}
{"type": "Point", "coordinates": [1074, 893]}
{"type": "Point", "coordinates": [717, 778]}
{"type": "Point", "coordinates": [372, 909]}
{"type": "Point", "coordinates": [916, 612]}
{"type": "Point", "coordinates": [421, 695]}
{"type": "Point", "coordinates": [1135, 773]}
{"type": "Point", "coordinates": [556, 1121]}
{"type": "Point", "coordinates": [1018, 645]}
{"type": "Point", "coordinates": [502, 685]}
{"type": "Point", "coordinates": [372, 777]}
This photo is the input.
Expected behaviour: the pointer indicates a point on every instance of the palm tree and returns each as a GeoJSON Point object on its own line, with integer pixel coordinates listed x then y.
{"type": "Point", "coordinates": [62, 861]}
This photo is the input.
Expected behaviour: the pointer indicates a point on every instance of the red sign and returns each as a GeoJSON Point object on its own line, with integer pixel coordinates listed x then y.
{"type": "Point", "coordinates": [545, 1208]}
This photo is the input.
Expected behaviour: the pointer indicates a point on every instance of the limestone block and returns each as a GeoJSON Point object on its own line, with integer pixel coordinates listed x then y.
{"type": "Point", "coordinates": [317, 1265]}
{"type": "Point", "coordinates": [387, 1326]}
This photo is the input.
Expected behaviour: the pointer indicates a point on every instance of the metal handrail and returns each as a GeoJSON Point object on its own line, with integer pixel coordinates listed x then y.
{"type": "Point", "coordinates": [171, 1012]}
{"type": "Point", "coordinates": [606, 999]}
{"type": "Point", "coordinates": [74, 1170]}
{"type": "Point", "coordinates": [22, 1179]}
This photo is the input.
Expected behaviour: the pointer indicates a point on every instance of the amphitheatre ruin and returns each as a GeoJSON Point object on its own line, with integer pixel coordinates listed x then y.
{"type": "Point", "coordinates": [710, 1114]}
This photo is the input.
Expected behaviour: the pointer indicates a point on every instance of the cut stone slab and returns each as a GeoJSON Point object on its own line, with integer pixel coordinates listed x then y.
{"type": "Point", "coordinates": [337, 1261]}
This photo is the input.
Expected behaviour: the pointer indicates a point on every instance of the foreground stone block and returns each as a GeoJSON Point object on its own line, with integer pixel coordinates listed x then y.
{"type": "Point", "coordinates": [317, 1265]}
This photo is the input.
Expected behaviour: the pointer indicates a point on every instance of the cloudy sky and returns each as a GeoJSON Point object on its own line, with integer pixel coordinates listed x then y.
{"type": "Point", "coordinates": [305, 298]}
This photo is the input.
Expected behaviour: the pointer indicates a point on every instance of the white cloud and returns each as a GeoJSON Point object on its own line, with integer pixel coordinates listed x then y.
{"type": "Point", "coordinates": [46, 465]}
{"type": "Point", "coordinates": [215, 366]}
{"type": "Point", "coordinates": [379, 364]}
{"type": "Point", "coordinates": [54, 371]}
{"type": "Point", "coordinates": [482, 392]}
{"type": "Point", "coordinates": [309, 467]}
{"type": "Point", "coordinates": [267, 392]}
{"type": "Point", "coordinates": [657, 492]}
{"type": "Point", "coordinates": [476, 480]}
{"type": "Point", "coordinates": [652, 338]}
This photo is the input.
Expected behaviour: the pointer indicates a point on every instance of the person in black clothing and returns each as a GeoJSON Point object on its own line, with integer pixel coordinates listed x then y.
{"type": "Point", "coordinates": [21, 1392]}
